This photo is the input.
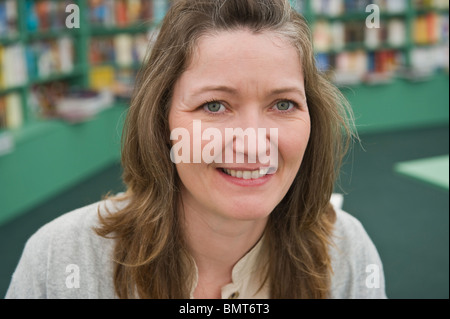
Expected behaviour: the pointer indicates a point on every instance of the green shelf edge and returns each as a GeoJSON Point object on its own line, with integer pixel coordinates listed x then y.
{"type": "Point", "coordinates": [431, 171]}
{"type": "Point", "coordinates": [52, 156]}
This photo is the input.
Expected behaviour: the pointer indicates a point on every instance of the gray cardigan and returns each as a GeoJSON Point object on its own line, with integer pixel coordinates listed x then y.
{"type": "Point", "coordinates": [66, 259]}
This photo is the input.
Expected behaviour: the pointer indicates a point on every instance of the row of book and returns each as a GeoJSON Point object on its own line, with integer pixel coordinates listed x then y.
{"type": "Point", "coordinates": [431, 28]}
{"type": "Point", "coordinates": [48, 57]}
{"type": "Point", "coordinates": [11, 113]}
{"type": "Point", "coordinates": [334, 8]}
{"type": "Point", "coordinates": [118, 13]}
{"type": "Point", "coordinates": [119, 81]}
{"type": "Point", "coordinates": [431, 4]}
{"type": "Point", "coordinates": [8, 18]}
{"type": "Point", "coordinates": [123, 50]}
{"type": "Point", "coordinates": [429, 59]}
{"type": "Point", "coordinates": [359, 66]}
{"type": "Point", "coordinates": [338, 35]}
{"type": "Point", "coordinates": [46, 15]}
{"type": "Point", "coordinates": [115, 62]}
{"type": "Point", "coordinates": [348, 68]}
{"type": "Point", "coordinates": [40, 59]}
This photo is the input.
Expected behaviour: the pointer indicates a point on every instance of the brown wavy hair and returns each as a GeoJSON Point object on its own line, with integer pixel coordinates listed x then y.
{"type": "Point", "coordinates": [151, 257]}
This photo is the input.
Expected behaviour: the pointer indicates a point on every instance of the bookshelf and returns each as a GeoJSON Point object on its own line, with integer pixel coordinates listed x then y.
{"type": "Point", "coordinates": [41, 60]}
{"type": "Point", "coordinates": [410, 41]}
{"type": "Point", "coordinates": [395, 77]}
{"type": "Point", "coordinates": [54, 59]}
{"type": "Point", "coordinates": [42, 153]}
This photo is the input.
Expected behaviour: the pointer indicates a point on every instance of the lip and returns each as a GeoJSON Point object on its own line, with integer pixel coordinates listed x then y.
{"type": "Point", "coordinates": [245, 182]}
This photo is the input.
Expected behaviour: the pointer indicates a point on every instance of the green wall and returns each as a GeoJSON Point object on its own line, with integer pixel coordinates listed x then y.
{"type": "Point", "coordinates": [401, 104]}
{"type": "Point", "coordinates": [51, 156]}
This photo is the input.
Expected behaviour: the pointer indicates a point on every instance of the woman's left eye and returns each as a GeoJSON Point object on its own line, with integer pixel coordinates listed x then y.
{"type": "Point", "coordinates": [284, 106]}
{"type": "Point", "coordinates": [214, 107]}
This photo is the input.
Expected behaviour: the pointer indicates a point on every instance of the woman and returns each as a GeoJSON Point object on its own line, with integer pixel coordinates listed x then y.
{"type": "Point", "coordinates": [218, 228]}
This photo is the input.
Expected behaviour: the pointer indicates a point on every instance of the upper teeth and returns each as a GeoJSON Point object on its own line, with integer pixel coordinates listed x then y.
{"type": "Point", "coordinates": [247, 174]}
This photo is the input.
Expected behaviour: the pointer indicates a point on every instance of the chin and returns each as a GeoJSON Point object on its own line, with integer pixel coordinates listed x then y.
{"type": "Point", "coordinates": [247, 211]}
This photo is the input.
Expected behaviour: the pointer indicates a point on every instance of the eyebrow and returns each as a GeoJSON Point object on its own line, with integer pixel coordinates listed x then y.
{"type": "Point", "coordinates": [230, 90]}
{"type": "Point", "coordinates": [220, 88]}
{"type": "Point", "coordinates": [288, 90]}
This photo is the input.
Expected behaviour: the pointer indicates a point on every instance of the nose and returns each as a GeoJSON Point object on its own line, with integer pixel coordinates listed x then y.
{"type": "Point", "coordinates": [250, 139]}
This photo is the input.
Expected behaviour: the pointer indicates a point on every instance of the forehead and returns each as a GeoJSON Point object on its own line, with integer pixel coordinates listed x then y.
{"type": "Point", "coordinates": [234, 52]}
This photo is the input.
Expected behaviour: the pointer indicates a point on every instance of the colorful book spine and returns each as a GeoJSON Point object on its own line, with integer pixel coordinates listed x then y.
{"type": "Point", "coordinates": [11, 113]}
{"type": "Point", "coordinates": [14, 112]}
{"type": "Point", "coordinates": [121, 13]}
{"type": "Point", "coordinates": [13, 67]}
{"type": "Point", "coordinates": [2, 112]}
{"type": "Point", "coordinates": [8, 19]}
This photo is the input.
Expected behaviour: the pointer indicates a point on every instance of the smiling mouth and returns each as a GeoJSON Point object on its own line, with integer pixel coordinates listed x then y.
{"type": "Point", "coordinates": [246, 175]}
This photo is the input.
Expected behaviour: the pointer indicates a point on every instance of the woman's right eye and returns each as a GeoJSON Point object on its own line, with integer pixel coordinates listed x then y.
{"type": "Point", "coordinates": [214, 107]}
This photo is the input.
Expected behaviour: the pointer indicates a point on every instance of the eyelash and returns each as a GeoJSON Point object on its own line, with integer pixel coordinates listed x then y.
{"type": "Point", "coordinates": [296, 106]}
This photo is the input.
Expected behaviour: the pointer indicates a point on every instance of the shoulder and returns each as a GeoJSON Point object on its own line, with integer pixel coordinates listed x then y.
{"type": "Point", "coordinates": [347, 227]}
{"type": "Point", "coordinates": [66, 258]}
{"type": "Point", "coordinates": [74, 232]}
{"type": "Point", "coordinates": [357, 267]}
{"type": "Point", "coordinates": [78, 224]}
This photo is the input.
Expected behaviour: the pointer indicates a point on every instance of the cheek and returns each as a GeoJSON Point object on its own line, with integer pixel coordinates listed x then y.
{"type": "Point", "coordinates": [178, 119]}
{"type": "Point", "coordinates": [292, 143]}
{"type": "Point", "coordinates": [184, 171]}
{"type": "Point", "coordinates": [191, 176]}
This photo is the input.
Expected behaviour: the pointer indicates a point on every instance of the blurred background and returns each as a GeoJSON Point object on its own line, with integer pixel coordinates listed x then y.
{"type": "Point", "coordinates": [67, 71]}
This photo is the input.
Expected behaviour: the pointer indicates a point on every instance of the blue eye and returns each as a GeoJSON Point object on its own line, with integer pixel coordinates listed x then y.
{"type": "Point", "coordinates": [214, 107]}
{"type": "Point", "coordinates": [284, 106]}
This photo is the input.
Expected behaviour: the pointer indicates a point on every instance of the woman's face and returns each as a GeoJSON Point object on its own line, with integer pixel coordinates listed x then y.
{"type": "Point", "coordinates": [240, 80]}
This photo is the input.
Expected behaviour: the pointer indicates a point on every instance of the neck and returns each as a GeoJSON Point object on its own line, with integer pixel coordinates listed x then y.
{"type": "Point", "coordinates": [217, 243]}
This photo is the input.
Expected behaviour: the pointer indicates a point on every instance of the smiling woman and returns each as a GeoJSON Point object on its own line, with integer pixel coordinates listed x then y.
{"type": "Point", "coordinates": [247, 75]}
{"type": "Point", "coordinates": [219, 228]}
